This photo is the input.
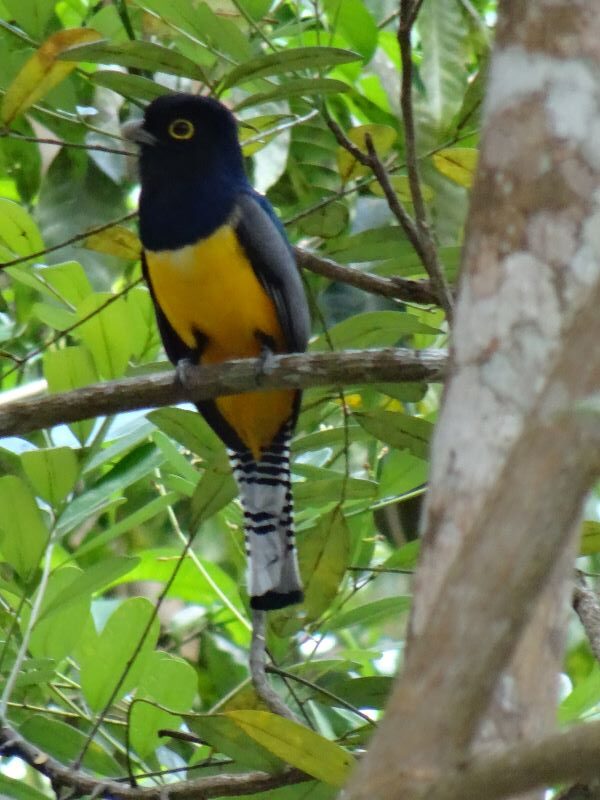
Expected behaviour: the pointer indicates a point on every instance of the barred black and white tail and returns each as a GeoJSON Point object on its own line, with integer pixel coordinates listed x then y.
{"type": "Point", "coordinates": [266, 495]}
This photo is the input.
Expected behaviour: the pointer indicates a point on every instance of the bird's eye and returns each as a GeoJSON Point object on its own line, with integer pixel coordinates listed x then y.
{"type": "Point", "coordinates": [181, 129]}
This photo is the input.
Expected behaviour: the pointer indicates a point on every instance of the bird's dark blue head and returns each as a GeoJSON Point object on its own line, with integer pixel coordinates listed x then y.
{"type": "Point", "coordinates": [191, 169]}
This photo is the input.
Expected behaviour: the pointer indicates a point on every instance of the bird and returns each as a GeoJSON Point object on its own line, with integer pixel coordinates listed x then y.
{"type": "Point", "coordinates": [225, 285]}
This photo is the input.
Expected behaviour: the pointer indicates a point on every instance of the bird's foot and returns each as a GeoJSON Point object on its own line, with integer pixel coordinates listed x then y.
{"type": "Point", "coordinates": [266, 358]}
{"type": "Point", "coordinates": [184, 370]}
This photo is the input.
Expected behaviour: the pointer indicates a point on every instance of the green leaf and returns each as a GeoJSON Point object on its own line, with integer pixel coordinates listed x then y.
{"type": "Point", "coordinates": [104, 657]}
{"type": "Point", "coordinates": [69, 369]}
{"type": "Point", "coordinates": [287, 61]}
{"type": "Point", "coordinates": [132, 521]}
{"type": "Point", "coordinates": [227, 737]}
{"type": "Point", "coordinates": [323, 554]}
{"type": "Point", "coordinates": [370, 613]}
{"type": "Point", "coordinates": [104, 333]}
{"type": "Point", "coordinates": [214, 491]}
{"type": "Point", "coordinates": [352, 19]}
{"type": "Point", "coordinates": [52, 472]}
{"type": "Point", "coordinates": [116, 241]}
{"type": "Point", "coordinates": [326, 222]}
{"type": "Point", "coordinates": [189, 429]}
{"type": "Point", "coordinates": [53, 316]}
{"type": "Point", "coordinates": [141, 55]}
{"type": "Point", "coordinates": [64, 742]}
{"type": "Point", "coordinates": [93, 579]}
{"type": "Point", "coordinates": [369, 692]}
{"type": "Point", "coordinates": [31, 15]}
{"type": "Point", "coordinates": [590, 538]}
{"type": "Point", "coordinates": [57, 634]}
{"type": "Point", "coordinates": [199, 22]}
{"type": "Point", "coordinates": [18, 232]}
{"type": "Point", "coordinates": [372, 329]}
{"type": "Point", "coordinates": [582, 698]}
{"type": "Point", "coordinates": [170, 682]}
{"type": "Point", "coordinates": [129, 85]}
{"type": "Point", "coordinates": [23, 535]}
{"type": "Point", "coordinates": [296, 744]}
{"type": "Point", "coordinates": [405, 557]}
{"type": "Point", "coordinates": [295, 87]}
{"type": "Point", "coordinates": [17, 789]}
{"type": "Point", "coordinates": [399, 430]}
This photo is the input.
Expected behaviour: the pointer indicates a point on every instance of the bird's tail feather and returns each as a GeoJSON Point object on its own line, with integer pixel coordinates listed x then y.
{"type": "Point", "coordinates": [266, 495]}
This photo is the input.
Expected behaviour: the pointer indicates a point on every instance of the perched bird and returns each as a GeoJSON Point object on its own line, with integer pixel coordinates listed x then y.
{"type": "Point", "coordinates": [225, 285]}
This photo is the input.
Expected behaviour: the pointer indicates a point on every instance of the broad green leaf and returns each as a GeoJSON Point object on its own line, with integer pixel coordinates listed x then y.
{"type": "Point", "coordinates": [403, 392]}
{"type": "Point", "coordinates": [31, 15]}
{"type": "Point", "coordinates": [328, 437]}
{"type": "Point", "coordinates": [323, 554]}
{"type": "Point", "coordinates": [582, 698]}
{"type": "Point", "coordinates": [287, 61]}
{"type": "Point", "coordinates": [368, 692]}
{"type": "Point", "coordinates": [56, 635]}
{"type": "Point", "coordinates": [67, 279]}
{"type": "Point", "coordinates": [18, 232]}
{"type": "Point", "coordinates": [398, 430]}
{"type": "Point", "coordinates": [23, 535]}
{"type": "Point", "coordinates": [383, 138]}
{"type": "Point", "coordinates": [352, 19]}
{"type": "Point", "coordinates": [370, 613]}
{"type": "Point", "coordinates": [36, 671]}
{"type": "Point", "coordinates": [296, 744]}
{"type": "Point", "coordinates": [42, 72]}
{"type": "Point", "coordinates": [200, 22]}
{"type": "Point", "coordinates": [401, 185]}
{"type": "Point", "coordinates": [190, 430]}
{"type": "Point", "coordinates": [142, 322]}
{"type": "Point", "coordinates": [295, 87]}
{"type": "Point", "coordinates": [371, 245]}
{"type": "Point", "coordinates": [52, 472]}
{"type": "Point", "coordinates": [402, 473]}
{"type": "Point", "coordinates": [227, 737]}
{"type": "Point", "coordinates": [170, 682]}
{"type": "Point", "coordinates": [117, 241]}
{"type": "Point", "coordinates": [53, 316]}
{"type": "Point", "coordinates": [104, 658]}
{"type": "Point", "coordinates": [65, 742]}
{"type": "Point", "coordinates": [104, 332]}
{"type": "Point", "coordinates": [326, 485]}
{"type": "Point", "coordinates": [141, 55]}
{"type": "Point", "coordinates": [590, 538]}
{"type": "Point", "coordinates": [190, 584]}
{"type": "Point", "coordinates": [174, 458]}
{"type": "Point", "coordinates": [132, 521]}
{"type": "Point", "coordinates": [326, 222]}
{"type": "Point", "coordinates": [17, 789]}
{"type": "Point", "coordinates": [96, 577]}
{"type": "Point", "coordinates": [458, 164]}
{"type": "Point", "coordinates": [404, 557]}
{"type": "Point", "coordinates": [213, 492]}
{"type": "Point", "coordinates": [69, 369]}
{"type": "Point", "coordinates": [129, 85]}
{"type": "Point", "coordinates": [371, 329]}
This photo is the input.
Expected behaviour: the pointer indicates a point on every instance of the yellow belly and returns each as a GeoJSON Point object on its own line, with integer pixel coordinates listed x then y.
{"type": "Point", "coordinates": [211, 288]}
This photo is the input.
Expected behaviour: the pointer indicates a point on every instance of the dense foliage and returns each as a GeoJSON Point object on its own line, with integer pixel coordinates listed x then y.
{"type": "Point", "coordinates": [95, 516]}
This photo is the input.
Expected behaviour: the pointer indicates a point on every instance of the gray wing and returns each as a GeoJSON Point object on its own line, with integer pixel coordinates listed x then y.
{"type": "Point", "coordinates": [265, 243]}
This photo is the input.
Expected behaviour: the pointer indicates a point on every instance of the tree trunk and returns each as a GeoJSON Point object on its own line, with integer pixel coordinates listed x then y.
{"type": "Point", "coordinates": [515, 450]}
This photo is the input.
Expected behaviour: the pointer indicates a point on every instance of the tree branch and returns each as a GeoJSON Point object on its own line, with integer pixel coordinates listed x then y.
{"type": "Point", "coordinates": [587, 608]}
{"type": "Point", "coordinates": [296, 371]}
{"type": "Point", "coordinates": [12, 744]}
{"type": "Point", "coordinates": [396, 288]}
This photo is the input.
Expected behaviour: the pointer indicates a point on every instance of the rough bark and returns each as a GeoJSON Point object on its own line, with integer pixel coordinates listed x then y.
{"type": "Point", "coordinates": [514, 452]}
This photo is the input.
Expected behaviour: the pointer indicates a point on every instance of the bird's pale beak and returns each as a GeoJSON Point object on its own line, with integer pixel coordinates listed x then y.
{"type": "Point", "coordinates": [135, 132]}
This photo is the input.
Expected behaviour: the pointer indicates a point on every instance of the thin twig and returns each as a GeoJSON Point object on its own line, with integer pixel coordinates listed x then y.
{"type": "Point", "coordinates": [431, 261]}
{"type": "Point", "coordinates": [256, 660]}
{"type": "Point", "coordinates": [77, 238]}
{"type": "Point", "coordinates": [61, 143]}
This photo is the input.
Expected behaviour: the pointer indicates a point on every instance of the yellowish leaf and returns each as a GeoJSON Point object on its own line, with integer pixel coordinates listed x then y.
{"type": "Point", "coordinates": [590, 538]}
{"type": "Point", "coordinates": [458, 164]}
{"type": "Point", "coordinates": [401, 186]}
{"type": "Point", "coordinates": [116, 241]}
{"type": "Point", "coordinates": [383, 137]}
{"type": "Point", "coordinates": [43, 71]}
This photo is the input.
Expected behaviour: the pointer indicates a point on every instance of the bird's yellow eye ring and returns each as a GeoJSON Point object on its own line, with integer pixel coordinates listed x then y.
{"type": "Point", "coordinates": [181, 129]}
